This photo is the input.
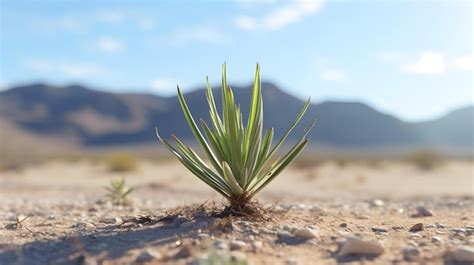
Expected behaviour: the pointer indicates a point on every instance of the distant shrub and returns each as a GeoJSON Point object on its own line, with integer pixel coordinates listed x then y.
{"type": "Point", "coordinates": [122, 162]}
{"type": "Point", "coordinates": [424, 159]}
{"type": "Point", "coordinates": [308, 161]}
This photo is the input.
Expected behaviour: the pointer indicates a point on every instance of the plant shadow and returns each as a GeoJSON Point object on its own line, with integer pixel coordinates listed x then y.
{"type": "Point", "coordinates": [110, 241]}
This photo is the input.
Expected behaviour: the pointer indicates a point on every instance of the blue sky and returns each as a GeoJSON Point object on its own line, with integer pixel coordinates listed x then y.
{"type": "Point", "coordinates": [413, 59]}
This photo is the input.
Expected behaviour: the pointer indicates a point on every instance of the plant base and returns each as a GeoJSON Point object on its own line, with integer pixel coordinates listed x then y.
{"type": "Point", "coordinates": [243, 205]}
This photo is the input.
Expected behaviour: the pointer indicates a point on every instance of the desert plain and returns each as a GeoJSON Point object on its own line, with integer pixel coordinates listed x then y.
{"type": "Point", "coordinates": [329, 212]}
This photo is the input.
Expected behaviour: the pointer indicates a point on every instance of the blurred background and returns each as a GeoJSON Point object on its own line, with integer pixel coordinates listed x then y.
{"type": "Point", "coordinates": [388, 79]}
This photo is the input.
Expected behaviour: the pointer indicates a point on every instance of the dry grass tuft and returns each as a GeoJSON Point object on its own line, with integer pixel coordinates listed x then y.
{"type": "Point", "coordinates": [424, 159]}
{"type": "Point", "coordinates": [254, 212]}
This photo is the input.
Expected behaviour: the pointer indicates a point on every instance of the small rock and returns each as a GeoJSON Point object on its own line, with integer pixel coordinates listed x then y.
{"type": "Point", "coordinates": [183, 253]}
{"type": "Point", "coordinates": [397, 210]}
{"type": "Point", "coordinates": [148, 255]}
{"type": "Point", "coordinates": [111, 220]}
{"type": "Point", "coordinates": [343, 225]}
{"type": "Point", "coordinates": [378, 229]}
{"type": "Point", "coordinates": [417, 228]}
{"type": "Point", "coordinates": [220, 244]}
{"type": "Point", "coordinates": [436, 240]}
{"type": "Point", "coordinates": [256, 245]}
{"type": "Point", "coordinates": [398, 227]}
{"type": "Point", "coordinates": [202, 236]}
{"type": "Point", "coordinates": [463, 254]}
{"type": "Point", "coordinates": [458, 230]}
{"type": "Point", "coordinates": [289, 228]}
{"type": "Point", "coordinates": [357, 246]}
{"type": "Point", "coordinates": [439, 225]}
{"type": "Point", "coordinates": [414, 236]}
{"type": "Point", "coordinates": [376, 203]}
{"type": "Point", "coordinates": [84, 225]}
{"type": "Point", "coordinates": [237, 245]}
{"type": "Point", "coordinates": [291, 261]}
{"type": "Point", "coordinates": [422, 211]}
{"type": "Point", "coordinates": [411, 254]}
{"type": "Point", "coordinates": [306, 233]}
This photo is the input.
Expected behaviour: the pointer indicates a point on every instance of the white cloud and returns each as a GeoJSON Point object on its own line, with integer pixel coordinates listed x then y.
{"type": "Point", "coordinates": [288, 14]}
{"type": "Point", "coordinates": [245, 22]}
{"type": "Point", "coordinates": [333, 75]}
{"type": "Point", "coordinates": [109, 44]}
{"type": "Point", "coordinates": [163, 85]}
{"type": "Point", "coordinates": [63, 67]}
{"type": "Point", "coordinates": [429, 63]}
{"type": "Point", "coordinates": [464, 63]}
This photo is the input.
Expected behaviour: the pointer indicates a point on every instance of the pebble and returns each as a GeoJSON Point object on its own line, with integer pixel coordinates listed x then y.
{"type": "Point", "coordinates": [458, 230]}
{"type": "Point", "coordinates": [148, 255]}
{"type": "Point", "coordinates": [376, 203]}
{"type": "Point", "coordinates": [289, 228]}
{"type": "Point", "coordinates": [84, 225]}
{"type": "Point", "coordinates": [417, 228]}
{"type": "Point", "coordinates": [220, 244]}
{"type": "Point", "coordinates": [436, 240]}
{"type": "Point", "coordinates": [440, 226]}
{"type": "Point", "coordinates": [463, 254]}
{"type": "Point", "coordinates": [291, 261]}
{"type": "Point", "coordinates": [414, 236]}
{"type": "Point", "coordinates": [411, 254]}
{"type": "Point", "coordinates": [306, 233]}
{"type": "Point", "coordinates": [422, 211]}
{"type": "Point", "coordinates": [237, 245]}
{"type": "Point", "coordinates": [256, 245]}
{"type": "Point", "coordinates": [378, 229]}
{"type": "Point", "coordinates": [111, 220]}
{"type": "Point", "coordinates": [398, 227]}
{"type": "Point", "coordinates": [357, 246]}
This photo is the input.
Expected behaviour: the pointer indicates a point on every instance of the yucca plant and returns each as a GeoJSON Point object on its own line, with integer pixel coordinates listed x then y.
{"type": "Point", "coordinates": [242, 156]}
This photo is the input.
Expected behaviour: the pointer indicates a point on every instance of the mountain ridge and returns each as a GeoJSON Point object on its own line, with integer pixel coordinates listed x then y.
{"type": "Point", "coordinates": [102, 118]}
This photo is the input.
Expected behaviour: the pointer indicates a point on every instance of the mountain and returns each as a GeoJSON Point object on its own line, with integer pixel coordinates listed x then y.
{"type": "Point", "coordinates": [87, 117]}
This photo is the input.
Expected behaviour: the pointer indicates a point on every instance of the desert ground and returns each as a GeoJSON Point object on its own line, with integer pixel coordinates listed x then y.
{"type": "Point", "coordinates": [360, 212]}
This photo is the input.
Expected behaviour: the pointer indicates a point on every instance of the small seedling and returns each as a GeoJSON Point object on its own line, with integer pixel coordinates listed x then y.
{"type": "Point", "coordinates": [119, 193]}
{"type": "Point", "coordinates": [18, 223]}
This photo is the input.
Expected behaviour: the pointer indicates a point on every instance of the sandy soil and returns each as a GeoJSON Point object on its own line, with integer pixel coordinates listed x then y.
{"type": "Point", "coordinates": [70, 222]}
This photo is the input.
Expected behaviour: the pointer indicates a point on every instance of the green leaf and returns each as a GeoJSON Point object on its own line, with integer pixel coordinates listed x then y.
{"type": "Point", "coordinates": [241, 154]}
